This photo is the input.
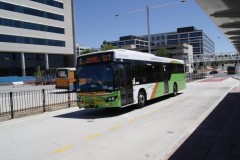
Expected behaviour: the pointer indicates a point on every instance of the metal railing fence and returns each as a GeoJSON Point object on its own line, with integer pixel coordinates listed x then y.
{"type": "Point", "coordinates": [14, 103]}
{"type": "Point", "coordinates": [26, 101]}
{"type": "Point", "coordinates": [190, 77]}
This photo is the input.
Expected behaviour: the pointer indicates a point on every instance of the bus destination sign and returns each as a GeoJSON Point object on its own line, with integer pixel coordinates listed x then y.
{"type": "Point", "coordinates": [95, 58]}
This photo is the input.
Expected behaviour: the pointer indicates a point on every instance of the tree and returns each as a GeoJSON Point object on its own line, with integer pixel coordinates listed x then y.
{"type": "Point", "coordinates": [107, 46]}
{"type": "Point", "coordinates": [88, 51]}
{"type": "Point", "coordinates": [162, 52]}
{"type": "Point", "coordinates": [215, 64]}
{"type": "Point", "coordinates": [38, 74]}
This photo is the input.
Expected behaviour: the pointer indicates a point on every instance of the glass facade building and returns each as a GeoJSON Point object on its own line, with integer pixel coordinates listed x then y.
{"type": "Point", "coordinates": [35, 33]}
{"type": "Point", "coordinates": [201, 43]}
{"type": "Point", "coordinates": [129, 41]}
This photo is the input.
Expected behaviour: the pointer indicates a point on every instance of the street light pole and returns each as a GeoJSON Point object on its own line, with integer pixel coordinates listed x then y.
{"type": "Point", "coordinates": [148, 23]}
{"type": "Point", "coordinates": [148, 28]}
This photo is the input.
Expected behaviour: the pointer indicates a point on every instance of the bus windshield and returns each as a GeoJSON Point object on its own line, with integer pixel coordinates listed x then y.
{"type": "Point", "coordinates": [62, 73]}
{"type": "Point", "coordinates": [95, 77]}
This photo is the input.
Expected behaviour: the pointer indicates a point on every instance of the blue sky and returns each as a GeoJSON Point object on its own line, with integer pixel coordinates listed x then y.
{"type": "Point", "coordinates": [95, 21]}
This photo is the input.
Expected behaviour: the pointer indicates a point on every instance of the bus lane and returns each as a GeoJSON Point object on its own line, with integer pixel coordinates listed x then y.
{"type": "Point", "coordinates": [152, 132]}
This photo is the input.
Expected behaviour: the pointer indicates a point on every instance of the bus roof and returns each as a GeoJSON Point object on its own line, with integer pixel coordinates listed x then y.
{"type": "Point", "coordinates": [70, 69]}
{"type": "Point", "coordinates": [135, 55]}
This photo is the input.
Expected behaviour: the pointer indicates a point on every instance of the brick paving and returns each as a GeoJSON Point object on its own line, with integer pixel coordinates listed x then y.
{"type": "Point", "coordinates": [214, 79]}
{"type": "Point", "coordinates": [218, 136]}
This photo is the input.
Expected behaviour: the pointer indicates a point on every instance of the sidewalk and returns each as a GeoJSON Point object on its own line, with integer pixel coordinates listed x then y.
{"type": "Point", "coordinates": [27, 87]}
{"type": "Point", "coordinates": [218, 136]}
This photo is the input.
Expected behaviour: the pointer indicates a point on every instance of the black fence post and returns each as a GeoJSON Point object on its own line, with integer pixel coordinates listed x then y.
{"type": "Point", "coordinates": [44, 98]}
{"type": "Point", "coordinates": [69, 103]}
{"type": "Point", "coordinates": [11, 103]}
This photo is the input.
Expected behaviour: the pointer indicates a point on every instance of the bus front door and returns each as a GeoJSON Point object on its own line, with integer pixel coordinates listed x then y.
{"type": "Point", "coordinates": [125, 83]}
{"type": "Point", "coordinates": [165, 76]}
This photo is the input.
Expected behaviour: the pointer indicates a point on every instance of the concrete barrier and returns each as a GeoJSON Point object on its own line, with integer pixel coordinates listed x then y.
{"type": "Point", "coordinates": [17, 83]}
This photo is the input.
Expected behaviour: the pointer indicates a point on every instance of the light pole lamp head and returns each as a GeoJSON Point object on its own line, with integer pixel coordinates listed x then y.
{"type": "Point", "coordinates": [183, 1]}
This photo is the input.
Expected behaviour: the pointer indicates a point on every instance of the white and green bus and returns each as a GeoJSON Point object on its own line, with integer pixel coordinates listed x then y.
{"type": "Point", "coordinates": [119, 78]}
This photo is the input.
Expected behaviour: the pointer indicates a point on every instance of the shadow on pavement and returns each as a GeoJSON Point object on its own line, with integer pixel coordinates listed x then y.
{"type": "Point", "coordinates": [218, 136]}
{"type": "Point", "coordinates": [61, 92]}
{"type": "Point", "coordinates": [106, 112]}
{"type": "Point", "coordinates": [97, 113]}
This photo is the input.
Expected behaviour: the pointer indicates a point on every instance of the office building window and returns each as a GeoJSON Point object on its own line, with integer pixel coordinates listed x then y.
{"type": "Point", "coordinates": [30, 56]}
{"type": "Point", "coordinates": [56, 61]}
{"type": "Point", "coordinates": [31, 26]}
{"type": "Point", "coordinates": [195, 34]}
{"type": "Point", "coordinates": [30, 11]}
{"type": "Point", "coordinates": [195, 38]}
{"type": "Point", "coordinates": [185, 35]}
{"type": "Point", "coordinates": [114, 44]}
{"type": "Point", "coordinates": [40, 56]}
{"type": "Point", "coordinates": [129, 42]}
{"type": "Point", "coordinates": [172, 41]}
{"type": "Point", "coordinates": [195, 44]}
{"type": "Point", "coordinates": [186, 29]}
{"type": "Point", "coordinates": [30, 40]}
{"type": "Point", "coordinates": [196, 49]}
{"type": "Point", "coordinates": [183, 40]}
{"type": "Point", "coordinates": [53, 57]}
{"type": "Point", "coordinates": [120, 43]}
{"type": "Point", "coordinates": [175, 36]}
{"type": "Point", "coordinates": [50, 3]}
{"type": "Point", "coordinates": [6, 56]}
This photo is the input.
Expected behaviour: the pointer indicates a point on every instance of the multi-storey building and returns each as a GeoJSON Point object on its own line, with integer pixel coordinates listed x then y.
{"type": "Point", "coordinates": [80, 48]}
{"type": "Point", "coordinates": [129, 42]}
{"type": "Point", "coordinates": [182, 51]}
{"type": "Point", "coordinates": [201, 43]}
{"type": "Point", "coordinates": [35, 33]}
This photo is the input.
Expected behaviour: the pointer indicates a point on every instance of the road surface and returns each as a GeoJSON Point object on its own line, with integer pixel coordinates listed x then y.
{"type": "Point", "coordinates": [153, 132]}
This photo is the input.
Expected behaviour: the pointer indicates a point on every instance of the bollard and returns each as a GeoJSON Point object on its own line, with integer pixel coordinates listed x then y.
{"type": "Point", "coordinates": [11, 103]}
{"type": "Point", "coordinates": [69, 103]}
{"type": "Point", "coordinates": [44, 105]}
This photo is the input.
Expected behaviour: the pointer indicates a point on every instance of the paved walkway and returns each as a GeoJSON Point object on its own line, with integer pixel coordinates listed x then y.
{"type": "Point", "coordinates": [218, 136]}
{"type": "Point", "coordinates": [27, 87]}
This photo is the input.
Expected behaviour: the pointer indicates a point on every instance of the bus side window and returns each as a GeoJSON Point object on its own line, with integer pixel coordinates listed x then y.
{"type": "Point", "coordinates": [139, 72]}
{"type": "Point", "coordinates": [150, 72]}
{"type": "Point", "coordinates": [158, 72]}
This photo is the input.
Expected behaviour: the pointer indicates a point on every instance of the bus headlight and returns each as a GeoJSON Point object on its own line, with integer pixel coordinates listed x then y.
{"type": "Point", "coordinates": [111, 99]}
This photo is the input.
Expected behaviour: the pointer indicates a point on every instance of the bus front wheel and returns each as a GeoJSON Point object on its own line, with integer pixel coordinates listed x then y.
{"type": "Point", "coordinates": [141, 99]}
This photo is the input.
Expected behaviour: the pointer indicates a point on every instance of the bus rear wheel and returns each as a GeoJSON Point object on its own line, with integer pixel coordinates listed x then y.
{"type": "Point", "coordinates": [141, 99]}
{"type": "Point", "coordinates": [175, 89]}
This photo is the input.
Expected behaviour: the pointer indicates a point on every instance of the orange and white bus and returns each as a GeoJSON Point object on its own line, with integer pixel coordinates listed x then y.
{"type": "Point", "coordinates": [65, 78]}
